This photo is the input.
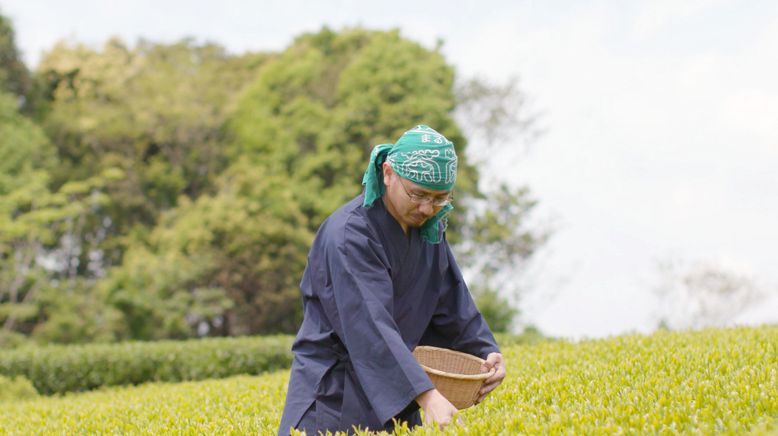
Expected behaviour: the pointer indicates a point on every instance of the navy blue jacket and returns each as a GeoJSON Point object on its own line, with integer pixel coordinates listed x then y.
{"type": "Point", "coordinates": [371, 294]}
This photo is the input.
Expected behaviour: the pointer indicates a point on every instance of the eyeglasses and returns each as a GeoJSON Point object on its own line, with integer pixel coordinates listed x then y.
{"type": "Point", "coordinates": [423, 199]}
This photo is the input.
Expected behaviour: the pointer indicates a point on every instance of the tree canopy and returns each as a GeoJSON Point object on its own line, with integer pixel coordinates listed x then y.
{"type": "Point", "coordinates": [173, 190]}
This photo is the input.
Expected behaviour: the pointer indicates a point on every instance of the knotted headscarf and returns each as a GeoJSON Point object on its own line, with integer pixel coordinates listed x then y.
{"type": "Point", "coordinates": [423, 156]}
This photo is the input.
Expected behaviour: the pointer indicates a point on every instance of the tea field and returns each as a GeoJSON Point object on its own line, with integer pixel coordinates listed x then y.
{"type": "Point", "coordinates": [716, 381]}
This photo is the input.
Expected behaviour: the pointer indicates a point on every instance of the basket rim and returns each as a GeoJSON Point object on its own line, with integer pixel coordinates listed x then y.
{"type": "Point", "coordinates": [482, 376]}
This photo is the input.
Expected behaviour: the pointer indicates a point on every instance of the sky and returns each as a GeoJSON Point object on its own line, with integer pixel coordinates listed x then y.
{"type": "Point", "coordinates": [659, 121]}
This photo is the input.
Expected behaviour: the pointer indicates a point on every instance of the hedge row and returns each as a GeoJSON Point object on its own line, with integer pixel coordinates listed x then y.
{"type": "Point", "coordinates": [60, 368]}
{"type": "Point", "coordinates": [66, 368]}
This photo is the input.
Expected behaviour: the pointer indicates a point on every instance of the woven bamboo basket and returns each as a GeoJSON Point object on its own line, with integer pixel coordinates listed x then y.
{"type": "Point", "coordinates": [456, 375]}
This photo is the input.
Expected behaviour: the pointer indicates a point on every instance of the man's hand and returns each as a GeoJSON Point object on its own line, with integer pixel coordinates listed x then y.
{"type": "Point", "coordinates": [437, 409]}
{"type": "Point", "coordinates": [493, 360]}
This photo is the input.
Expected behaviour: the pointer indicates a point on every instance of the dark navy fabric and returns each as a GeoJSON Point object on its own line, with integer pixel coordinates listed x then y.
{"type": "Point", "coordinates": [371, 294]}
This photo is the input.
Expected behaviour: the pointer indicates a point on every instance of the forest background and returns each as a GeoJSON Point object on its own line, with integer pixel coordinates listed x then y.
{"type": "Point", "coordinates": [158, 191]}
{"type": "Point", "coordinates": [670, 101]}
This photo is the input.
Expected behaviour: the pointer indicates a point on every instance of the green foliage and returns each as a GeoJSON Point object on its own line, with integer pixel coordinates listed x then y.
{"type": "Point", "coordinates": [500, 231]}
{"type": "Point", "coordinates": [495, 113]}
{"type": "Point", "coordinates": [529, 336]}
{"type": "Point", "coordinates": [37, 295]}
{"type": "Point", "coordinates": [17, 388]}
{"type": "Point", "coordinates": [11, 339]}
{"type": "Point", "coordinates": [497, 240]}
{"type": "Point", "coordinates": [710, 382]}
{"type": "Point", "coordinates": [59, 369]}
{"type": "Point", "coordinates": [227, 263]}
{"type": "Point", "coordinates": [173, 190]}
{"type": "Point", "coordinates": [133, 130]}
{"type": "Point", "coordinates": [237, 406]}
{"type": "Point", "coordinates": [65, 368]}
{"type": "Point", "coordinates": [24, 148]}
{"type": "Point", "coordinates": [496, 310]}
{"type": "Point", "coordinates": [14, 77]}
{"type": "Point", "coordinates": [72, 314]}
{"type": "Point", "coordinates": [314, 113]}
{"type": "Point", "coordinates": [299, 144]}
{"type": "Point", "coordinates": [154, 111]}
{"type": "Point", "coordinates": [707, 382]}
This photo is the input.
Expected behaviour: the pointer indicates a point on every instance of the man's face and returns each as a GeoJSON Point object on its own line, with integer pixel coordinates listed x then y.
{"type": "Point", "coordinates": [410, 204]}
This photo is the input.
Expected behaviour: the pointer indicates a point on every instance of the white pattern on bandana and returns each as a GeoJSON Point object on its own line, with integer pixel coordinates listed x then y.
{"type": "Point", "coordinates": [420, 165]}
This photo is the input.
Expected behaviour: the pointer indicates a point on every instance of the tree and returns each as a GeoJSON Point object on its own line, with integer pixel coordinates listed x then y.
{"type": "Point", "coordinates": [316, 110]}
{"type": "Point", "coordinates": [14, 77]}
{"type": "Point", "coordinates": [702, 294]}
{"type": "Point", "coordinates": [497, 239]}
{"type": "Point", "coordinates": [314, 113]}
{"type": "Point", "coordinates": [497, 242]}
{"type": "Point", "coordinates": [226, 264]}
{"type": "Point", "coordinates": [293, 158]}
{"type": "Point", "coordinates": [25, 157]}
{"type": "Point", "coordinates": [189, 183]}
{"type": "Point", "coordinates": [44, 239]}
{"type": "Point", "coordinates": [495, 113]}
{"type": "Point", "coordinates": [45, 235]}
{"type": "Point", "coordinates": [153, 111]}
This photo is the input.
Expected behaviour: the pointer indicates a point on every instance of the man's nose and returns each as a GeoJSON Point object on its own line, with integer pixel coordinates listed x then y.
{"type": "Point", "coordinates": [426, 208]}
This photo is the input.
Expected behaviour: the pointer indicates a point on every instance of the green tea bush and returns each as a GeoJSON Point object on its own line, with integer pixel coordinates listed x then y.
{"type": "Point", "coordinates": [68, 368]}
{"type": "Point", "coordinates": [239, 405]}
{"type": "Point", "coordinates": [706, 382]}
{"type": "Point", "coordinates": [18, 388]}
{"type": "Point", "coordinates": [529, 336]}
{"type": "Point", "coordinates": [59, 368]}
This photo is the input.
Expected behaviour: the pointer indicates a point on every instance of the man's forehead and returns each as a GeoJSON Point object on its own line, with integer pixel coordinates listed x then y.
{"type": "Point", "coordinates": [424, 190]}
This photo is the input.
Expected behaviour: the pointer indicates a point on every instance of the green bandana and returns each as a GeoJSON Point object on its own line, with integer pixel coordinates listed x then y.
{"type": "Point", "coordinates": [424, 157]}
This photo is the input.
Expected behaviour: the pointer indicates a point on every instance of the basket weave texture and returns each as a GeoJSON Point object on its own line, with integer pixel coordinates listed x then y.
{"type": "Point", "coordinates": [456, 375]}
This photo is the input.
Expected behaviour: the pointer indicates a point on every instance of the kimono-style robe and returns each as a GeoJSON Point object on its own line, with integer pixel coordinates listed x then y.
{"type": "Point", "coordinates": [371, 294]}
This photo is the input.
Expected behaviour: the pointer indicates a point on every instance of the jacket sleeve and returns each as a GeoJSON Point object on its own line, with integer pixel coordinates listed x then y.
{"type": "Point", "coordinates": [363, 303]}
{"type": "Point", "coordinates": [457, 323]}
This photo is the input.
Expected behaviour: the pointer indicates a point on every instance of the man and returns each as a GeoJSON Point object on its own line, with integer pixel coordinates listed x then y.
{"type": "Point", "coordinates": [380, 280]}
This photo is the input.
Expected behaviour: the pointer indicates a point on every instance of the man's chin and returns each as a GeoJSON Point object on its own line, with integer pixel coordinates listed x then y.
{"type": "Point", "coordinates": [418, 222]}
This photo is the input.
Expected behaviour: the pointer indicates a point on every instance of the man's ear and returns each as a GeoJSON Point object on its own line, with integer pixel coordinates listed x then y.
{"type": "Point", "coordinates": [387, 169]}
